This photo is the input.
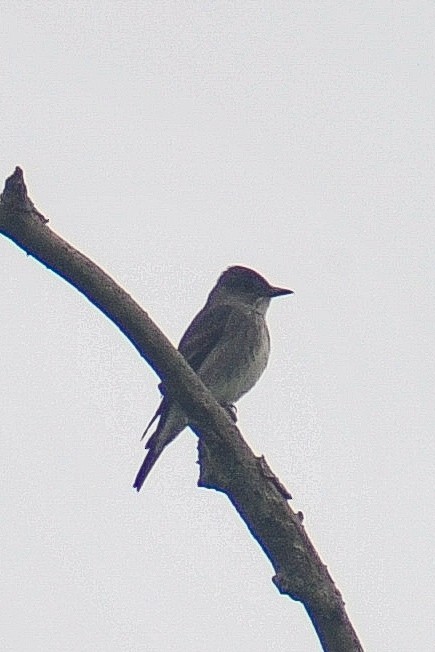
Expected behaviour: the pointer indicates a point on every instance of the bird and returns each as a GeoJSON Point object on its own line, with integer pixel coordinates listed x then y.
{"type": "Point", "coordinates": [227, 344]}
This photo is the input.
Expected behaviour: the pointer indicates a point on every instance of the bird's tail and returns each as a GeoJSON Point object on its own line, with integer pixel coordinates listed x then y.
{"type": "Point", "coordinates": [148, 463]}
{"type": "Point", "coordinates": [172, 422]}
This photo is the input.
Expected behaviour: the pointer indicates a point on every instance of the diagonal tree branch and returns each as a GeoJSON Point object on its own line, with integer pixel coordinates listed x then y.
{"type": "Point", "coordinates": [227, 464]}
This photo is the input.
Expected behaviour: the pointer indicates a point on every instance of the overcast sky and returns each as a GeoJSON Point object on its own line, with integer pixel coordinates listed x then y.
{"type": "Point", "coordinates": [167, 141]}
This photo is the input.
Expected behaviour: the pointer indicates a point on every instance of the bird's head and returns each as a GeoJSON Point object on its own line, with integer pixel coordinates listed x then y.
{"type": "Point", "coordinates": [246, 285]}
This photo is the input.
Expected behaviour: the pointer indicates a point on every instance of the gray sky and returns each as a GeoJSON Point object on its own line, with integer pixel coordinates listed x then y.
{"type": "Point", "coordinates": [168, 141]}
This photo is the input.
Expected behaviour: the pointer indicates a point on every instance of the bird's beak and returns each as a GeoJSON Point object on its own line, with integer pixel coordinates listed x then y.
{"type": "Point", "coordinates": [278, 292]}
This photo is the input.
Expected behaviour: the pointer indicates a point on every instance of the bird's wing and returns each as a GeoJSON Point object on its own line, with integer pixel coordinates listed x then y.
{"type": "Point", "coordinates": [197, 342]}
{"type": "Point", "coordinates": [203, 334]}
{"type": "Point", "coordinates": [157, 414]}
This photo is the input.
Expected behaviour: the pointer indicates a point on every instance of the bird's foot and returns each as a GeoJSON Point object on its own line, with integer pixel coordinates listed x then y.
{"type": "Point", "coordinates": [232, 411]}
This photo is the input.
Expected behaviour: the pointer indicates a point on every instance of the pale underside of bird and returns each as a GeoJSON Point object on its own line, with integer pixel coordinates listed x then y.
{"type": "Point", "coordinates": [228, 346]}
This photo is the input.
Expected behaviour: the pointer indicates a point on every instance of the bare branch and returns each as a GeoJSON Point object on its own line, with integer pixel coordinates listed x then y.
{"type": "Point", "coordinates": [226, 462]}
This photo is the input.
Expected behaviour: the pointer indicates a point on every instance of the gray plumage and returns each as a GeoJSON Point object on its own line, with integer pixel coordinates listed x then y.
{"type": "Point", "coordinates": [228, 346]}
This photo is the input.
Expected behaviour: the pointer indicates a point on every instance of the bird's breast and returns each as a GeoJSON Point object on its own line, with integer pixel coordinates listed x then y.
{"type": "Point", "coordinates": [239, 359]}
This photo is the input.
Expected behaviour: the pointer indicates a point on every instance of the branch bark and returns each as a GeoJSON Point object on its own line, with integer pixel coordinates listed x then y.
{"type": "Point", "coordinates": [227, 464]}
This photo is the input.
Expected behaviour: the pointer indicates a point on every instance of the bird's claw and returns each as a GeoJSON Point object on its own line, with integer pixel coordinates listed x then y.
{"type": "Point", "coordinates": [232, 411]}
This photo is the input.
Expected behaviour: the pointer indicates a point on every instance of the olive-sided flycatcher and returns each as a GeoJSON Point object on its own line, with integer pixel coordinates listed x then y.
{"type": "Point", "coordinates": [228, 346]}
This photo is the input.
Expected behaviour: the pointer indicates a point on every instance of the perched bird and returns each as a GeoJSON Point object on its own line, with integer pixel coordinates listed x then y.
{"type": "Point", "coordinates": [228, 346]}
